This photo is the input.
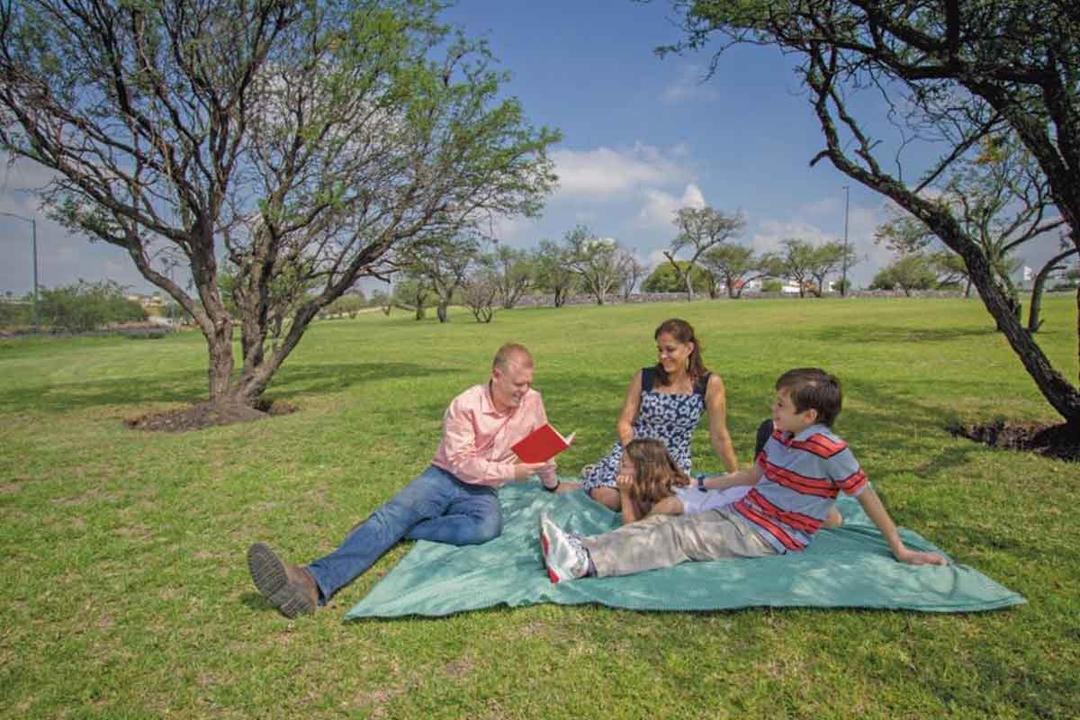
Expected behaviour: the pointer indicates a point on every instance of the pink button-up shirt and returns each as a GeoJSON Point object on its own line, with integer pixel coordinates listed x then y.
{"type": "Point", "coordinates": [476, 437]}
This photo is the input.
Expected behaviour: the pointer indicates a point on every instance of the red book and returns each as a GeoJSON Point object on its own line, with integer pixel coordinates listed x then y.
{"type": "Point", "coordinates": [541, 445]}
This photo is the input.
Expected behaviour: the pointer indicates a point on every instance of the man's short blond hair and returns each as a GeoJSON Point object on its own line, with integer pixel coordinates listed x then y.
{"type": "Point", "coordinates": [512, 353]}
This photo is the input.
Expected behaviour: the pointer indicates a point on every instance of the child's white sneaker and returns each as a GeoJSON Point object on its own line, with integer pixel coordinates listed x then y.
{"type": "Point", "coordinates": [564, 555]}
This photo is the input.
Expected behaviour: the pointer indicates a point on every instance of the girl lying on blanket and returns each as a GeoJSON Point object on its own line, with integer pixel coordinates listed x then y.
{"type": "Point", "coordinates": [650, 482]}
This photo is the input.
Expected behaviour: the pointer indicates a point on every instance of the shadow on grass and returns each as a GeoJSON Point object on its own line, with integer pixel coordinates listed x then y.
{"type": "Point", "coordinates": [862, 334]}
{"type": "Point", "coordinates": [191, 386]}
{"type": "Point", "coordinates": [882, 421]}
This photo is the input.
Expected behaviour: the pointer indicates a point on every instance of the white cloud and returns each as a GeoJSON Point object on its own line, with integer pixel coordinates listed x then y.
{"type": "Point", "coordinates": [689, 85]}
{"type": "Point", "coordinates": [605, 172]}
{"type": "Point", "coordinates": [660, 207]}
{"type": "Point", "coordinates": [822, 221]}
{"type": "Point", "coordinates": [773, 232]}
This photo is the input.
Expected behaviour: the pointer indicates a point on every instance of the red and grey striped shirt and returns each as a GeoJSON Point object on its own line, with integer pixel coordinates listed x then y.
{"type": "Point", "coordinates": [803, 474]}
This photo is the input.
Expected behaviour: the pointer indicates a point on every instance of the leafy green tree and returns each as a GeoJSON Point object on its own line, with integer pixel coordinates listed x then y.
{"type": "Point", "coordinates": [349, 304]}
{"type": "Point", "coordinates": [700, 229]}
{"type": "Point", "coordinates": [412, 291]}
{"type": "Point", "coordinates": [597, 261]}
{"type": "Point", "coordinates": [443, 263]}
{"type": "Point", "coordinates": [827, 258]}
{"type": "Point", "coordinates": [553, 271]}
{"type": "Point", "coordinates": [734, 266]}
{"type": "Point", "coordinates": [909, 272]}
{"type": "Point", "coordinates": [796, 262]}
{"type": "Point", "coordinates": [667, 279]}
{"type": "Point", "coordinates": [971, 77]}
{"type": "Point", "coordinates": [514, 274]}
{"type": "Point", "coordinates": [274, 136]}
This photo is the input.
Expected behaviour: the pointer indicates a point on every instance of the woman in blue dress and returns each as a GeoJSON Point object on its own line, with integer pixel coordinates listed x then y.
{"type": "Point", "coordinates": [665, 402]}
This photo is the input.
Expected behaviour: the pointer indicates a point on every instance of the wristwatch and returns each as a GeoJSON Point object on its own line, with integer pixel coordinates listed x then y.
{"type": "Point", "coordinates": [701, 483]}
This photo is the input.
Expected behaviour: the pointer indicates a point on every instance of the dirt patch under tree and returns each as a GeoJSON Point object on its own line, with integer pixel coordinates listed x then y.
{"type": "Point", "coordinates": [207, 414]}
{"type": "Point", "coordinates": [1057, 441]}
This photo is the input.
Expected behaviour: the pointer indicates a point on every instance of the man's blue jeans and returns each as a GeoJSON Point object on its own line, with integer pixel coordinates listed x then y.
{"type": "Point", "coordinates": [435, 506]}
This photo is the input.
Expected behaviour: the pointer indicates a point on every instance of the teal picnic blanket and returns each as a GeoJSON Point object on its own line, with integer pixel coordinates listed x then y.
{"type": "Point", "coordinates": [847, 567]}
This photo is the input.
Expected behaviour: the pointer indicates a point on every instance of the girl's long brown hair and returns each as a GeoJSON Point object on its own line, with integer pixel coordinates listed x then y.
{"type": "Point", "coordinates": [684, 333]}
{"type": "Point", "coordinates": [656, 474]}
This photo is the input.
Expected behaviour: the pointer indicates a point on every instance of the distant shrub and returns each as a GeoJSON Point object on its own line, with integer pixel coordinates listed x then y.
{"type": "Point", "coordinates": [88, 306]}
{"type": "Point", "coordinates": [15, 314]}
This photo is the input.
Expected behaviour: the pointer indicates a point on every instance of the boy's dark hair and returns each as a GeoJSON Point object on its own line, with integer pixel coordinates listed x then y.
{"type": "Point", "coordinates": [813, 389]}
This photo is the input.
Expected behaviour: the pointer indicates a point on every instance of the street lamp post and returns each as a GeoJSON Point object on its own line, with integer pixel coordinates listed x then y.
{"type": "Point", "coordinates": [33, 244]}
{"type": "Point", "coordinates": [843, 281]}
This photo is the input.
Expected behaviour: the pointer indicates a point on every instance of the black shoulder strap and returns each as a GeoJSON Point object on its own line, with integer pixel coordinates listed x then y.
{"type": "Point", "coordinates": [647, 375]}
{"type": "Point", "coordinates": [702, 384]}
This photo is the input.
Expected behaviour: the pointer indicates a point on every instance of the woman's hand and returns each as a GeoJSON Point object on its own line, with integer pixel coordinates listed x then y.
{"type": "Point", "coordinates": [624, 482]}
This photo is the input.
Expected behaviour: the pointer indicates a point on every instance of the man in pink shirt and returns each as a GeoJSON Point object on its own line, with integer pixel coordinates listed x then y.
{"type": "Point", "coordinates": [453, 501]}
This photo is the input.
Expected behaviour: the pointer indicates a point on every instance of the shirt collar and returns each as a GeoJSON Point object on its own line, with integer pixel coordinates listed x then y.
{"type": "Point", "coordinates": [807, 432]}
{"type": "Point", "coordinates": [487, 403]}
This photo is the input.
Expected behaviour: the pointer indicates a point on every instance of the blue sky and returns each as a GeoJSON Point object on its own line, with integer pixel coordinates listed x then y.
{"type": "Point", "coordinates": [642, 136]}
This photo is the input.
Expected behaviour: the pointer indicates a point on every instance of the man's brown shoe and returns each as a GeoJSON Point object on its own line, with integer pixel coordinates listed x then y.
{"type": "Point", "coordinates": [289, 588]}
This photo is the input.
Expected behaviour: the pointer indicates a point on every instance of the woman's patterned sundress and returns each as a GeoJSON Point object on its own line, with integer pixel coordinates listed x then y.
{"type": "Point", "coordinates": [661, 416]}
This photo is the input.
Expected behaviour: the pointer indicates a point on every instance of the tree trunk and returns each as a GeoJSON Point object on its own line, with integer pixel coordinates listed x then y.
{"type": "Point", "coordinates": [689, 287]}
{"type": "Point", "coordinates": [1062, 396]}
{"type": "Point", "coordinates": [1034, 323]}
{"type": "Point", "coordinates": [220, 369]}
{"type": "Point", "coordinates": [440, 311]}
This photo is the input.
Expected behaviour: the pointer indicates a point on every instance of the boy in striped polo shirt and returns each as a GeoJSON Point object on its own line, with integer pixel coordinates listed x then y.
{"type": "Point", "coordinates": [796, 479]}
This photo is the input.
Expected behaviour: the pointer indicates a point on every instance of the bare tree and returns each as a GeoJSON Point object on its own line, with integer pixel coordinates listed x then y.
{"type": "Point", "coordinates": [958, 74]}
{"type": "Point", "coordinates": [274, 136]}
{"type": "Point", "coordinates": [699, 230]}
{"type": "Point", "coordinates": [631, 273]}
{"type": "Point", "coordinates": [480, 290]}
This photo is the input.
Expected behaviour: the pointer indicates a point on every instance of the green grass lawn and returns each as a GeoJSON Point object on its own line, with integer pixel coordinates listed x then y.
{"type": "Point", "coordinates": [126, 593]}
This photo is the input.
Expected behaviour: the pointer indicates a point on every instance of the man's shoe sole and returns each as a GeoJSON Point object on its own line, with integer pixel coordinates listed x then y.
{"type": "Point", "coordinates": [268, 574]}
{"type": "Point", "coordinates": [544, 551]}
{"type": "Point", "coordinates": [545, 547]}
